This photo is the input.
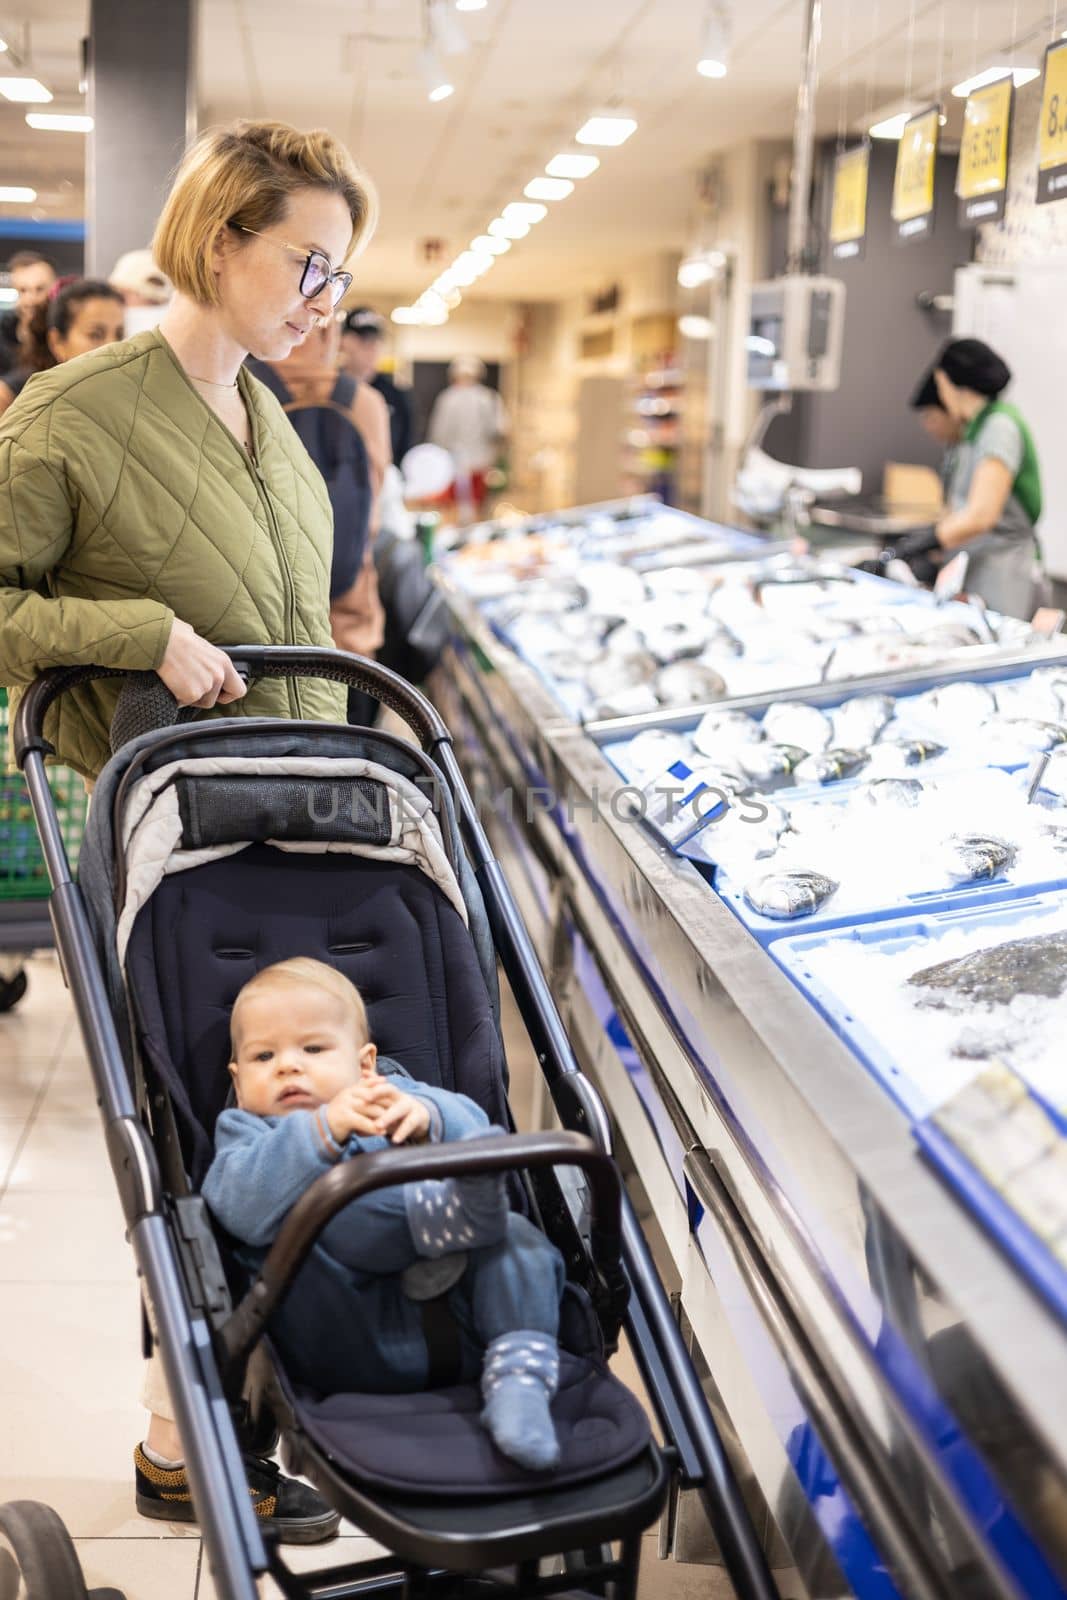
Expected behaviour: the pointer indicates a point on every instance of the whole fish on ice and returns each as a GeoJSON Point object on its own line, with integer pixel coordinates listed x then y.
{"type": "Point", "coordinates": [785, 895]}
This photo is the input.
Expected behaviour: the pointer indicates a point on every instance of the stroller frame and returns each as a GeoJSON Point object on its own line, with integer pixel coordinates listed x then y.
{"type": "Point", "coordinates": [206, 1348]}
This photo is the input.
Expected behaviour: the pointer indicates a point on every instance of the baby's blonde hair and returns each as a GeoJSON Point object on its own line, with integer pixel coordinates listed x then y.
{"type": "Point", "coordinates": [244, 176]}
{"type": "Point", "coordinates": [304, 972]}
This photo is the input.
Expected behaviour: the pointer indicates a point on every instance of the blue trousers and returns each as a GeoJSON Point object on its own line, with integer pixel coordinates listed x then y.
{"type": "Point", "coordinates": [347, 1325]}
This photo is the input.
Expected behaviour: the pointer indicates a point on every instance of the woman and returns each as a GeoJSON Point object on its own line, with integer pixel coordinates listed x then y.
{"type": "Point", "coordinates": [154, 498]}
{"type": "Point", "coordinates": [994, 493]}
{"type": "Point", "coordinates": [80, 314]}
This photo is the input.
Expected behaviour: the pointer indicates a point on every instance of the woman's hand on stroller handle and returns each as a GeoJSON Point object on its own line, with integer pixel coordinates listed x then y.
{"type": "Point", "coordinates": [198, 673]}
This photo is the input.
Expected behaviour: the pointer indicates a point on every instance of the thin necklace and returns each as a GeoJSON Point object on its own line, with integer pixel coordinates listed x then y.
{"type": "Point", "coordinates": [211, 383]}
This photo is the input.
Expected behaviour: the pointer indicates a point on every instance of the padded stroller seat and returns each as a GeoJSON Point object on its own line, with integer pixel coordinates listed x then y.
{"type": "Point", "coordinates": [434, 1439]}
{"type": "Point", "coordinates": [385, 925]}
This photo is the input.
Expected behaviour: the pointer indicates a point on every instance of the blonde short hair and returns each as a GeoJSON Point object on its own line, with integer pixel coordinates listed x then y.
{"type": "Point", "coordinates": [243, 176]}
{"type": "Point", "coordinates": [303, 972]}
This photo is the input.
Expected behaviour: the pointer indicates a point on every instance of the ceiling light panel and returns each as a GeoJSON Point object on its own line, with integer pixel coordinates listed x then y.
{"type": "Point", "coordinates": [548, 188]}
{"type": "Point", "coordinates": [606, 130]}
{"type": "Point", "coordinates": [572, 165]}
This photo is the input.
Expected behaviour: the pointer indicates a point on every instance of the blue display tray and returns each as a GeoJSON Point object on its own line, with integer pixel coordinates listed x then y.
{"type": "Point", "coordinates": [890, 935]}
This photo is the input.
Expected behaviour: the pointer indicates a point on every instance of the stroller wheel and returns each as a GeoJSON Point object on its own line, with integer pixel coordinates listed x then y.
{"type": "Point", "coordinates": [37, 1556]}
{"type": "Point", "coordinates": [11, 992]}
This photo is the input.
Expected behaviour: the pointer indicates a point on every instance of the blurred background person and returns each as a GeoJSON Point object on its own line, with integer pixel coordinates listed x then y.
{"type": "Point", "coordinates": [139, 281]}
{"type": "Point", "coordinates": [469, 421]}
{"type": "Point", "coordinates": [344, 427]}
{"type": "Point", "coordinates": [81, 314]}
{"type": "Point", "coordinates": [362, 347]}
{"type": "Point", "coordinates": [145, 288]}
{"type": "Point", "coordinates": [32, 276]}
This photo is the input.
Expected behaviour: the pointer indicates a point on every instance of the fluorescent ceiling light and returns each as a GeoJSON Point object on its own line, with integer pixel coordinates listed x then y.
{"type": "Point", "coordinates": [508, 228]}
{"type": "Point", "coordinates": [520, 211]}
{"type": "Point", "coordinates": [691, 327]}
{"type": "Point", "coordinates": [16, 193]}
{"type": "Point", "coordinates": [492, 242]}
{"type": "Point", "coordinates": [438, 84]}
{"type": "Point", "coordinates": [715, 49]}
{"type": "Point", "coordinates": [59, 122]}
{"type": "Point", "coordinates": [567, 165]}
{"type": "Point", "coordinates": [432, 309]}
{"type": "Point", "coordinates": [1020, 76]}
{"type": "Point", "coordinates": [471, 5]}
{"type": "Point", "coordinates": [469, 265]}
{"type": "Point", "coordinates": [28, 91]}
{"type": "Point", "coordinates": [407, 315]}
{"type": "Point", "coordinates": [606, 129]}
{"type": "Point", "coordinates": [549, 188]}
{"type": "Point", "coordinates": [3, 46]}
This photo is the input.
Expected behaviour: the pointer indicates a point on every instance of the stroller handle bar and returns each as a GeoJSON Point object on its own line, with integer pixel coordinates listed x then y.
{"type": "Point", "coordinates": [146, 704]}
{"type": "Point", "coordinates": [350, 1180]}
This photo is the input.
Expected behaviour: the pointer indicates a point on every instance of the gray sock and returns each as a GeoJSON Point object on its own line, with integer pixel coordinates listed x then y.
{"type": "Point", "coordinates": [520, 1374]}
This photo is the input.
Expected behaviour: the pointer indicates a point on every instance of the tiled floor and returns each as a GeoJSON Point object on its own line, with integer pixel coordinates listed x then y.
{"type": "Point", "coordinates": [69, 1338]}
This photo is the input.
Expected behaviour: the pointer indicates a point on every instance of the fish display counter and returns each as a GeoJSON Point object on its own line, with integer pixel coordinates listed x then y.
{"type": "Point", "coordinates": [833, 1073]}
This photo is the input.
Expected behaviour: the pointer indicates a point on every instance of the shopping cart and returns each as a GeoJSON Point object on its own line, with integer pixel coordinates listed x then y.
{"type": "Point", "coordinates": [25, 924]}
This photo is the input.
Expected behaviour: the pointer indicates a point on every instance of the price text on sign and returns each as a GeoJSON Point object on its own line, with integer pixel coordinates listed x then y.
{"type": "Point", "coordinates": [913, 186]}
{"type": "Point", "coordinates": [1052, 129]}
{"type": "Point", "coordinates": [848, 216]}
{"type": "Point", "coordinates": [982, 175]}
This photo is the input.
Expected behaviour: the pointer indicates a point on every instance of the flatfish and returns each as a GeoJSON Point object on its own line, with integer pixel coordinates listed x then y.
{"type": "Point", "coordinates": [994, 976]}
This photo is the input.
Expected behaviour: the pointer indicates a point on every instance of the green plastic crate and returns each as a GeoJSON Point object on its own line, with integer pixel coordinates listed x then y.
{"type": "Point", "coordinates": [23, 875]}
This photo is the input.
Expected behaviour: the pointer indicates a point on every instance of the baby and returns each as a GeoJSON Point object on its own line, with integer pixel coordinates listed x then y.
{"type": "Point", "coordinates": [311, 1091]}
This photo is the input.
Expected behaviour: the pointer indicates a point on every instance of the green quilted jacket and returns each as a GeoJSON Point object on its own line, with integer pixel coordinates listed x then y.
{"type": "Point", "coordinates": [125, 502]}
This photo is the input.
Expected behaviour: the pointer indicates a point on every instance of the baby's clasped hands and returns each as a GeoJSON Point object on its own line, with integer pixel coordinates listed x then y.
{"type": "Point", "coordinates": [373, 1106]}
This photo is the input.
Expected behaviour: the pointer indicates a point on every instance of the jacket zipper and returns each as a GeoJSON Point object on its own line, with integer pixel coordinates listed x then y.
{"type": "Point", "coordinates": [288, 584]}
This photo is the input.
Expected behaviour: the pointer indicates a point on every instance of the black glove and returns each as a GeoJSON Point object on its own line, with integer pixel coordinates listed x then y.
{"type": "Point", "coordinates": [919, 543]}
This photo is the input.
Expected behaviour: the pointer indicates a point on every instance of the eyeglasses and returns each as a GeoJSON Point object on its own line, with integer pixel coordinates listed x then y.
{"type": "Point", "coordinates": [317, 273]}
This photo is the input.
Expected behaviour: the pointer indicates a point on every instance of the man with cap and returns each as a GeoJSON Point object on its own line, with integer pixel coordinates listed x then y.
{"type": "Point", "coordinates": [994, 490]}
{"type": "Point", "coordinates": [362, 342]}
{"type": "Point", "coordinates": [139, 281]}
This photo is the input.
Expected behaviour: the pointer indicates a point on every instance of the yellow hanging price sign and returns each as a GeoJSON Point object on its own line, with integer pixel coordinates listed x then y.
{"type": "Point", "coordinates": [1052, 129]}
{"type": "Point", "coordinates": [848, 212]}
{"type": "Point", "coordinates": [982, 175]}
{"type": "Point", "coordinates": [913, 184]}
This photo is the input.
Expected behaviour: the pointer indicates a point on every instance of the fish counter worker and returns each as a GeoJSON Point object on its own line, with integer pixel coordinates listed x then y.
{"type": "Point", "coordinates": [993, 492]}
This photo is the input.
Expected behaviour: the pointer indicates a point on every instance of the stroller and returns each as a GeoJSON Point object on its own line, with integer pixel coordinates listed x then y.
{"type": "Point", "coordinates": [214, 848]}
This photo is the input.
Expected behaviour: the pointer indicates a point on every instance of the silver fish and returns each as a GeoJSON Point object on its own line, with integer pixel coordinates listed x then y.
{"type": "Point", "coordinates": [623, 671]}
{"type": "Point", "coordinates": [830, 766]}
{"type": "Point", "coordinates": [785, 895]}
{"type": "Point", "coordinates": [769, 766]}
{"type": "Point", "coordinates": [688, 683]}
{"type": "Point", "coordinates": [679, 641]}
{"type": "Point", "coordinates": [974, 857]}
{"type": "Point", "coordinates": [956, 703]}
{"type": "Point", "coordinates": [893, 792]}
{"type": "Point", "coordinates": [722, 645]}
{"type": "Point", "coordinates": [793, 722]}
{"type": "Point", "coordinates": [720, 732]}
{"type": "Point", "coordinates": [859, 721]}
{"type": "Point", "coordinates": [949, 636]}
{"type": "Point", "coordinates": [893, 753]}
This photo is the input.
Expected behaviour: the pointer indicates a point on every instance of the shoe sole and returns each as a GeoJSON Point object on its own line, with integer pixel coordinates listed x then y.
{"type": "Point", "coordinates": [305, 1530]}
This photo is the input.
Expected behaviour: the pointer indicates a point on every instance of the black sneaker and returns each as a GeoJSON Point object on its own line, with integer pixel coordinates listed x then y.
{"type": "Point", "coordinates": [292, 1510]}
